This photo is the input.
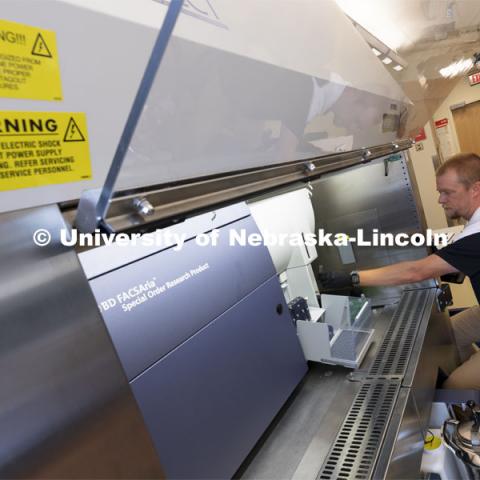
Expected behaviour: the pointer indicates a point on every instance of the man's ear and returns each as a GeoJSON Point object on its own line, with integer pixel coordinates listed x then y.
{"type": "Point", "coordinates": [476, 189]}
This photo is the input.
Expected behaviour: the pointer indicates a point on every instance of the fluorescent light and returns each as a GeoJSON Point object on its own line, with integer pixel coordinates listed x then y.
{"type": "Point", "coordinates": [456, 68]}
{"type": "Point", "coordinates": [379, 49]}
{"type": "Point", "coordinates": [376, 17]}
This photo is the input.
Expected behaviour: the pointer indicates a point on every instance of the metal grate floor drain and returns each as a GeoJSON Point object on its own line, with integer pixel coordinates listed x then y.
{"type": "Point", "coordinates": [394, 352]}
{"type": "Point", "coordinates": [356, 447]}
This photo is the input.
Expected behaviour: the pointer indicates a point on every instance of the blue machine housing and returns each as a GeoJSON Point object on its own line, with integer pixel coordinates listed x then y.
{"type": "Point", "coordinates": [210, 358]}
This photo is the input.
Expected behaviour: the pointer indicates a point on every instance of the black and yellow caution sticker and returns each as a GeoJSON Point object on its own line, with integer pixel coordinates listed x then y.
{"type": "Point", "coordinates": [29, 65]}
{"type": "Point", "coordinates": [43, 148]}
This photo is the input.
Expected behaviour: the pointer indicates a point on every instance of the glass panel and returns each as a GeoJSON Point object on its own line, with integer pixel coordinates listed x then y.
{"type": "Point", "coordinates": [238, 93]}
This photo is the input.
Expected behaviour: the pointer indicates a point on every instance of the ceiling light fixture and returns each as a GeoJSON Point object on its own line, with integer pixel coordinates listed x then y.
{"type": "Point", "coordinates": [456, 68]}
{"type": "Point", "coordinates": [380, 50]}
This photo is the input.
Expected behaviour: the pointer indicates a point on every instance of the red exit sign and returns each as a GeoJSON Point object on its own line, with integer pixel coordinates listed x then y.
{"type": "Point", "coordinates": [474, 79]}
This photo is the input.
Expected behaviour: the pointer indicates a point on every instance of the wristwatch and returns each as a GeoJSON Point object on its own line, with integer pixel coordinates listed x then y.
{"type": "Point", "coordinates": [355, 278]}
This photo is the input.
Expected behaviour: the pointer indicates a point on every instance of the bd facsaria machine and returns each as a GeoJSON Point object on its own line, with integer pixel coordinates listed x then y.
{"type": "Point", "coordinates": [149, 360]}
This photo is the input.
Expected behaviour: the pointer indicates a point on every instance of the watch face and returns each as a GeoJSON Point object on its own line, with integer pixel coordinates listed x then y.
{"type": "Point", "coordinates": [355, 278]}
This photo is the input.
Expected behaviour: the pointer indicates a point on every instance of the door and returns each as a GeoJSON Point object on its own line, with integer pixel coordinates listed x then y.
{"type": "Point", "coordinates": [467, 123]}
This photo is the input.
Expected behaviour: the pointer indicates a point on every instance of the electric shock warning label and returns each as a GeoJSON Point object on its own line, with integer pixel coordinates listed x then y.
{"type": "Point", "coordinates": [29, 65]}
{"type": "Point", "coordinates": [43, 148]}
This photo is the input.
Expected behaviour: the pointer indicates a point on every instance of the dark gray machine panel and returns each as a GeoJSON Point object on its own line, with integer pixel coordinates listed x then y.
{"type": "Point", "coordinates": [153, 328]}
{"type": "Point", "coordinates": [211, 356]}
{"type": "Point", "coordinates": [214, 397]}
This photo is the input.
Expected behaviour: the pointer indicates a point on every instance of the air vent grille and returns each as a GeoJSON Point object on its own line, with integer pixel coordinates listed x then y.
{"type": "Point", "coordinates": [394, 352]}
{"type": "Point", "coordinates": [356, 447]}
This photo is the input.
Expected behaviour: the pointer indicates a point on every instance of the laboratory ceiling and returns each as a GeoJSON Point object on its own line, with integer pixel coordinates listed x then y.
{"type": "Point", "coordinates": [437, 39]}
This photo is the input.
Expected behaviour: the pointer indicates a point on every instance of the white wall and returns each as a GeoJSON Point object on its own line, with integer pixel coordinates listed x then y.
{"type": "Point", "coordinates": [425, 175]}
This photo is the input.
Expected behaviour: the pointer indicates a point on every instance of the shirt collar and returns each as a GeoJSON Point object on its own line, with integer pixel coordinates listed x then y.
{"type": "Point", "coordinates": [475, 217]}
{"type": "Point", "coordinates": [473, 226]}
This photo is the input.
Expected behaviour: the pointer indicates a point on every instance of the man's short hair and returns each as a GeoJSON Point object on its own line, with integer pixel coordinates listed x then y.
{"type": "Point", "coordinates": [466, 166]}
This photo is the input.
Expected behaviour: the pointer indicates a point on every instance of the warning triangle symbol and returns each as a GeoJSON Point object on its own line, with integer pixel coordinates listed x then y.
{"type": "Point", "coordinates": [40, 47]}
{"type": "Point", "coordinates": [73, 133]}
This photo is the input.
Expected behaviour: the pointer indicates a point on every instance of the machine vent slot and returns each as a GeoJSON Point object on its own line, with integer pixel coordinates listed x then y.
{"type": "Point", "coordinates": [394, 352]}
{"type": "Point", "coordinates": [356, 447]}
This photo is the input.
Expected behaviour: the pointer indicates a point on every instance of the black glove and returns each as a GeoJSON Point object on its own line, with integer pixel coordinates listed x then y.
{"type": "Point", "coordinates": [334, 280]}
{"type": "Point", "coordinates": [456, 277]}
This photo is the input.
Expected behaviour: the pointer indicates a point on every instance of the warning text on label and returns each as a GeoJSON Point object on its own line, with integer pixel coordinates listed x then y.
{"type": "Point", "coordinates": [43, 148]}
{"type": "Point", "coordinates": [29, 65]}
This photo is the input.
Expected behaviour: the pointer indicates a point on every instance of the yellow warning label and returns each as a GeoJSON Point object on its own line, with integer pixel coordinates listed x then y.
{"type": "Point", "coordinates": [28, 63]}
{"type": "Point", "coordinates": [43, 148]}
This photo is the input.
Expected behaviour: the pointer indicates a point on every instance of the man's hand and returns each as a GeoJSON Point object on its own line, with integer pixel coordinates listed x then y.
{"type": "Point", "coordinates": [334, 280]}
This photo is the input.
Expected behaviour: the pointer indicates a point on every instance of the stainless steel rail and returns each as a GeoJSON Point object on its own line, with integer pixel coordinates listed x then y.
{"type": "Point", "coordinates": [96, 213]}
{"type": "Point", "coordinates": [169, 201]}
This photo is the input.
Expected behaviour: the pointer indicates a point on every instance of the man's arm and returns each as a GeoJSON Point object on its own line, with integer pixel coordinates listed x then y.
{"type": "Point", "coordinates": [398, 274]}
{"type": "Point", "coordinates": [406, 272]}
